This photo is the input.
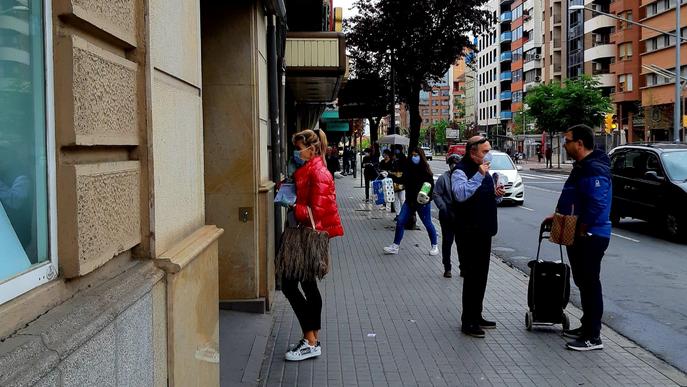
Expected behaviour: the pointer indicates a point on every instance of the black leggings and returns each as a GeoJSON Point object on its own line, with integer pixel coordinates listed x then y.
{"type": "Point", "coordinates": [308, 308]}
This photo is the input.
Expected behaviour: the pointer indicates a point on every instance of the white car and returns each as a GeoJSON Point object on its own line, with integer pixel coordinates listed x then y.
{"type": "Point", "coordinates": [502, 164]}
{"type": "Point", "coordinates": [428, 152]}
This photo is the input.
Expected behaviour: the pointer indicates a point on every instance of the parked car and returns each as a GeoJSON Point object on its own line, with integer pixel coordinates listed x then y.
{"type": "Point", "coordinates": [650, 183]}
{"type": "Point", "coordinates": [502, 164]}
{"type": "Point", "coordinates": [428, 152]}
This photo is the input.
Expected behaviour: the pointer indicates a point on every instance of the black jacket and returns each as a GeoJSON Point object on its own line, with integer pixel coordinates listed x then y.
{"type": "Point", "coordinates": [477, 213]}
{"type": "Point", "coordinates": [413, 178]}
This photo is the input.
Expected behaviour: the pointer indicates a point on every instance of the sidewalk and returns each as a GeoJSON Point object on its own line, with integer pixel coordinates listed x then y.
{"type": "Point", "coordinates": [394, 320]}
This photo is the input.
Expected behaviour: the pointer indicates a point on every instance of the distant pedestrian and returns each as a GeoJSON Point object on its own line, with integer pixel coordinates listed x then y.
{"type": "Point", "coordinates": [416, 172]}
{"type": "Point", "coordinates": [387, 163]}
{"type": "Point", "coordinates": [549, 155]}
{"type": "Point", "coordinates": [539, 155]}
{"type": "Point", "coordinates": [369, 171]}
{"type": "Point", "coordinates": [443, 198]}
{"type": "Point", "coordinates": [476, 197]}
{"type": "Point", "coordinates": [332, 159]}
{"type": "Point", "coordinates": [587, 194]}
{"type": "Point", "coordinates": [397, 164]}
{"type": "Point", "coordinates": [347, 156]}
{"type": "Point", "coordinates": [314, 192]}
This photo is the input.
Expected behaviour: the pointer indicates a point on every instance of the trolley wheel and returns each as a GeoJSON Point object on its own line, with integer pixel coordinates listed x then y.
{"type": "Point", "coordinates": [566, 322]}
{"type": "Point", "coordinates": [528, 320]}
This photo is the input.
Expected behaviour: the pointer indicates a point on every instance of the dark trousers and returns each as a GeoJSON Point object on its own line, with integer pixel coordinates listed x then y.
{"type": "Point", "coordinates": [367, 189]}
{"type": "Point", "coordinates": [474, 250]}
{"type": "Point", "coordinates": [585, 263]}
{"type": "Point", "coordinates": [448, 236]}
{"type": "Point", "coordinates": [308, 306]}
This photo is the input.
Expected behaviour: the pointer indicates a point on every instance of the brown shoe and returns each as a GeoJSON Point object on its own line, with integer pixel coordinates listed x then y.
{"type": "Point", "coordinates": [447, 274]}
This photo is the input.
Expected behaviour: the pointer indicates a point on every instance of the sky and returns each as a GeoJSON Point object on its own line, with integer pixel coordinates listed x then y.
{"type": "Point", "coordinates": [345, 4]}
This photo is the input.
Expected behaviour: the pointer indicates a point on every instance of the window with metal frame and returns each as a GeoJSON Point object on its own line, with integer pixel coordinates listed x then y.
{"type": "Point", "coordinates": [27, 169]}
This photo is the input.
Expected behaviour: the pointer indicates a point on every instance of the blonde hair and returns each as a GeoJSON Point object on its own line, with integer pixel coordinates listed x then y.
{"type": "Point", "coordinates": [312, 138]}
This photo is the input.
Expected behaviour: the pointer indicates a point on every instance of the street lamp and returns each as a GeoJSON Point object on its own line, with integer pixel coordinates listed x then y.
{"type": "Point", "coordinates": [677, 119]}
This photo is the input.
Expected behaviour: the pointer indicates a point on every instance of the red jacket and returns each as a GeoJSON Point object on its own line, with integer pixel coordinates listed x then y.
{"type": "Point", "coordinates": [315, 189]}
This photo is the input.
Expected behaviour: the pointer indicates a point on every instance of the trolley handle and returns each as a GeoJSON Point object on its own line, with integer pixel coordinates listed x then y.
{"type": "Point", "coordinates": [545, 233]}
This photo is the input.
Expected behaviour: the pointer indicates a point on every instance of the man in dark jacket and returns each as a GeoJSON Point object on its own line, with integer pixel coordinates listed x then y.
{"type": "Point", "coordinates": [587, 193]}
{"type": "Point", "coordinates": [443, 198]}
{"type": "Point", "coordinates": [476, 199]}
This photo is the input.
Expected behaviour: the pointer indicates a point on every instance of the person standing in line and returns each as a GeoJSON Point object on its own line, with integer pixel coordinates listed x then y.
{"type": "Point", "coordinates": [443, 198]}
{"type": "Point", "coordinates": [397, 164]}
{"type": "Point", "coordinates": [315, 192]}
{"type": "Point", "coordinates": [549, 155]}
{"type": "Point", "coordinates": [476, 199]}
{"type": "Point", "coordinates": [369, 171]}
{"type": "Point", "coordinates": [416, 173]}
{"type": "Point", "coordinates": [347, 154]}
{"type": "Point", "coordinates": [587, 193]}
{"type": "Point", "coordinates": [387, 163]}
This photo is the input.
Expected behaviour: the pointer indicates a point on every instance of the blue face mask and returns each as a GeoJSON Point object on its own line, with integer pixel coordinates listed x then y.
{"type": "Point", "coordinates": [416, 160]}
{"type": "Point", "coordinates": [297, 158]}
{"type": "Point", "coordinates": [396, 151]}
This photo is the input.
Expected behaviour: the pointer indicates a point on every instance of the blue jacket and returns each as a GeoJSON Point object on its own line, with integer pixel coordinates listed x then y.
{"type": "Point", "coordinates": [588, 193]}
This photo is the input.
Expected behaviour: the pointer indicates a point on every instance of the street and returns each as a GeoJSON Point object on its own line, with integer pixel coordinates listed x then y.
{"type": "Point", "coordinates": [644, 277]}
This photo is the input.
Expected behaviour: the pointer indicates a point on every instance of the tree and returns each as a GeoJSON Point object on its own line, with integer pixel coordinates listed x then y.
{"type": "Point", "coordinates": [557, 107]}
{"type": "Point", "coordinates": [418, 39]}
{"type": "Point", "coordinates": [528, 121]}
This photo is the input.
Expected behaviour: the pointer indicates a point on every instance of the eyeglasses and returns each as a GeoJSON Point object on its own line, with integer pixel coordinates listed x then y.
{"type": "Point", "coordinates": [569, 140]}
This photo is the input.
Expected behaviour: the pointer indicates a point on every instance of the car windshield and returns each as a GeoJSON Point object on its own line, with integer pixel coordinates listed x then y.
{"type": "Point", "coordinates": [501, 163]}
{"type": "Point", "coordinates": [676, 165]}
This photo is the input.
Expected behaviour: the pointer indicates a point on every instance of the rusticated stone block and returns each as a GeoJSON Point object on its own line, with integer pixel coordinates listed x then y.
{"type": "Point", "coordinates": [113, 17]}
{"type": "Point", "coordinates": [97, 103]}
{"type": "Point", "coordinates": [99, 214]}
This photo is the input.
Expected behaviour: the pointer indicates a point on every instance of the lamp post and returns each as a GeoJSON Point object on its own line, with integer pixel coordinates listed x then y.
{"type": "Point", "coordinates": [677, 119]}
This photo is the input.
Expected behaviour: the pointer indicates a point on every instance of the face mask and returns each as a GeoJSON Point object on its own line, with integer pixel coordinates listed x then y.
{"type": "Point", "coordinates": [397, 151]}
{"type": "Point", "coordinates": [297, 157]}
{"type": "Point", "coordinates": [416, 160]}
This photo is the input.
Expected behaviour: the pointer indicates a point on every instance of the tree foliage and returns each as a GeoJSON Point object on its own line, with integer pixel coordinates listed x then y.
{"type": "Point", "coordinates": [557, 107]}
{"type": "Point", "coordinates": [420, 39]}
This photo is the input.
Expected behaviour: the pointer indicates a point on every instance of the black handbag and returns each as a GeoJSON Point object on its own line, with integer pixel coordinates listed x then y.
{"type": "Point", "coordinates": [303, 253]}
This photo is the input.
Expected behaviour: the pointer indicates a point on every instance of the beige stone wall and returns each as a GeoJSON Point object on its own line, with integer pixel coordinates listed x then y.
{"type": "Point", "coordinates": [176, 117]}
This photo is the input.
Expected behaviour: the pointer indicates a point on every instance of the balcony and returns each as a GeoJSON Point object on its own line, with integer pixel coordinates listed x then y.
{"type": "Point", "coordinates": [506, 115]}
{"type": "Point", "coordinates": [600, 51]}
{"type": "Point", "coordinates": [505, 2]}
{"type": "Point", "coordinates": [506, 17]}
{"type": "Point", "coordinates": [506, 56]}
{"type": "Point", "coordinates": [506, 76]}
{"type": "Point", "coordinates": [599, 22]}
{"type": "Point", "coordinates": [506, 37]}
{"type": "Point", "coordinates": [606, 80]}
{"type": "Point", "coordinates": [506, 96]}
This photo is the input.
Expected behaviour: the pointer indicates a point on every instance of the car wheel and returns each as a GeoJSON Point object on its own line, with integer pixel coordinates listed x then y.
{"type": "Point", "coordinates": [615, 217]}
{"type": "Point", "coordinates": [674, 226]}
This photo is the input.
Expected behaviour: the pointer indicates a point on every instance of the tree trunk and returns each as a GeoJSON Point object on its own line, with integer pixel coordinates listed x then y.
{"type": "Point", "coordinates": [374, 130]}
{"type": "Point", "coordinates": [415, 119]}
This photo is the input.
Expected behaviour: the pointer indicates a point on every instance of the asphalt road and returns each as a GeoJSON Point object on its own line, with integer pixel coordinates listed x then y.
{"type": "Point", "coordinates": [644, 276]}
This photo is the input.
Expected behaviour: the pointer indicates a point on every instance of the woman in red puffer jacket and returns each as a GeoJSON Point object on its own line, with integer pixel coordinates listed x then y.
{"type": "Point", "coordinates": [314, 190]}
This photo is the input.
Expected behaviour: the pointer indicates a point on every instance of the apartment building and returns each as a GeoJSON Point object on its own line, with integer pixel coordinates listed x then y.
{"type": "Point", "coordinates": [435, 105]}
{"type": "Point", "coordinates": [458, 91]}
{"type": "Point", "coordinates": [490, 76]}
{"type": "Point", "coordinates": [627, 69]}
{"type": "Point", "coordinates": [554, 34]}
{"type": "Point", "coordinates": [658, 92]}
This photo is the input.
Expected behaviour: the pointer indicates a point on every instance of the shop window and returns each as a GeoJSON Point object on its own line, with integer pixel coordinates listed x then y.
{"type": "Point", "coordinates": [27, 254]}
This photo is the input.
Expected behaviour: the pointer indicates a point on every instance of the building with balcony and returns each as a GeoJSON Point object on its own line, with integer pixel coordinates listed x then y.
{"type": "Point", "coordinates": [626, 69]}
{"type": "Point", "coordinates": [554, 41]}
{"type": "Point", "coordinates": [489, 68]}
{"type": "Point", "coordinates": [658, 92]}
{"type": "Point", "coordinates": [435, 105]}
{"type": "Point", "coordinates": [599, 50]}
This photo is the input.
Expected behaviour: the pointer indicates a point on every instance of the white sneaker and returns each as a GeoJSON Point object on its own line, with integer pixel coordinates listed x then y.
{"type": "Point", "coordinates": [434, 250]}
{"type": "Point", "coordinates": [391, 249]}
{"type": "Point", "coordinates": [303, 350]}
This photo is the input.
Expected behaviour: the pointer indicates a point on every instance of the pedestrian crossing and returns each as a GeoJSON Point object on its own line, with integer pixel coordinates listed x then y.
{"type": "Point", "coordinates": [544, 178]}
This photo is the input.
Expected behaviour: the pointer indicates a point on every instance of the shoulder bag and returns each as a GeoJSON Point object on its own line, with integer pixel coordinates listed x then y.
{"type": "Point", "coordinates": [303, 253]}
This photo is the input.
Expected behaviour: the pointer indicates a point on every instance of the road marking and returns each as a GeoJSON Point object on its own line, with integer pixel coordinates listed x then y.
{"type": "Point", "coordinates": [543, 189]}
{"type": "Point", "coordinates": [624, 237]}
{"type": "Point", "coordinates": [543, 177]}
{"type": "Point", "coordinates": [526, 208]}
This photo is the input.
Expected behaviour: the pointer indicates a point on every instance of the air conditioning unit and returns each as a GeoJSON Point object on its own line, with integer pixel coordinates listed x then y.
{"type": "Point", "coordinates": [537, 78]}
{"type": "Point", "coordinates": [537, 56]}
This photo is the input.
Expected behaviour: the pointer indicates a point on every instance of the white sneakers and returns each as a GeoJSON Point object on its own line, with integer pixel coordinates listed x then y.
{"type": "Point", "coordinates": [391, 249]}
{"type": "Point", "coordinates": [303, 350]}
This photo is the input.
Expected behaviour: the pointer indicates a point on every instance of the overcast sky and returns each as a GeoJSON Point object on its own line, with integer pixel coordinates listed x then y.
{"type": "Point", "coordinates": [345, 4]}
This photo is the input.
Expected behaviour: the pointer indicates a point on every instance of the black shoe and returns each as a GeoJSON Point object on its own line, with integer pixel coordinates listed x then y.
{"type": "Point", "coordinates": [486, 324]}
{"type": "Point", "coordinates": [585, 345]}
{"type": "Point", "coordinates": [447, 274]}
{"type": "Point", "coordinates": [573, 333]}
{"type": "Point", "coordinates": [472, 330]}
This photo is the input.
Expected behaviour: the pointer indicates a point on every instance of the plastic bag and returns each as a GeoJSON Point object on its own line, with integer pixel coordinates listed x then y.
{"type": "Point", "coordinates": [286, 196]}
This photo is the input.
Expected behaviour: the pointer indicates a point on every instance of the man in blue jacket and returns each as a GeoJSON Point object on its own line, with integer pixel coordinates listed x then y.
{"type": "Point", "coordinates": [587, 194]}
